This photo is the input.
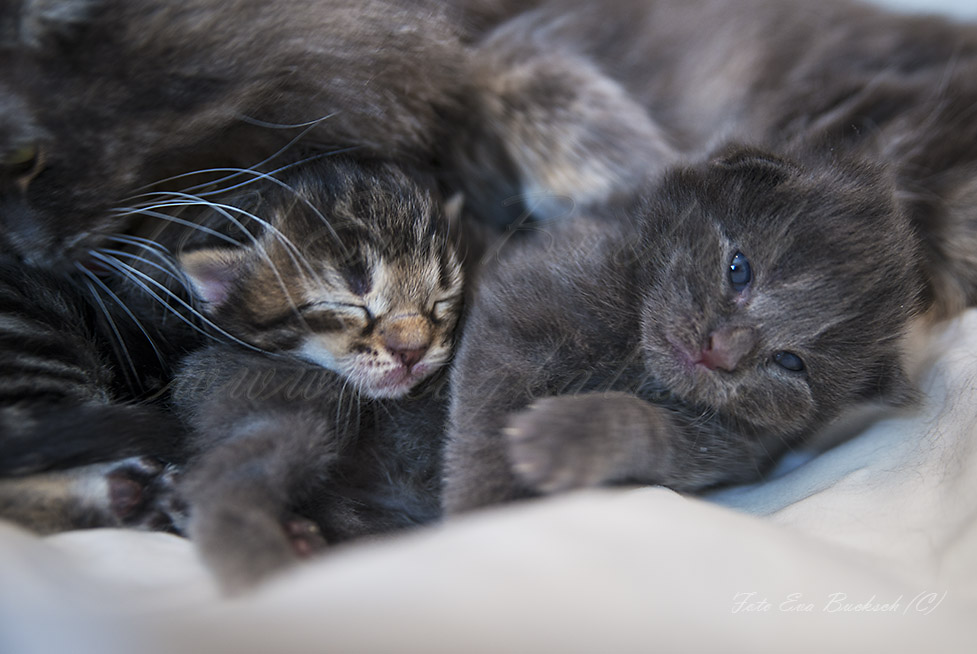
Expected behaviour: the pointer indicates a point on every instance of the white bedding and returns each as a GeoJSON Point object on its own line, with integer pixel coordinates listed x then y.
{"type": "Point", "coordinates": [871, 546]}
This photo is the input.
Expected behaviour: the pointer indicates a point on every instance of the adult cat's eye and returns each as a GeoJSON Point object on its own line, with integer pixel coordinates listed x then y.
{"type": "Point", "coordinates": [21, 161]}
{"type": "Point", "coordinates": [740, 273]}
{"type": "Point", "coordinates": [789, 361]}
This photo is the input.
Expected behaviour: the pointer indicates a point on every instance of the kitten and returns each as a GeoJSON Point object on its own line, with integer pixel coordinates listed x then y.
{"type": "Point", "coordinates": [150, 89]}
{"type": "Point", "coordinates": [754, 309]}
{"type": "Point", "coordinates": [738, 306]}
{"type": "Point", "coordinates": [135, 493]}
{"type": "Point", "coordinates": [350, 290]}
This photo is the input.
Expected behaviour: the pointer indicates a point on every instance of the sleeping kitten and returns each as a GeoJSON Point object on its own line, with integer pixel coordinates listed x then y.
{"type": "Point", "coordinates": [101, 98]}
{"type": "Point", "coordinates": [347, 290]}
{"type": "Point", "coordinates": [738, 306]}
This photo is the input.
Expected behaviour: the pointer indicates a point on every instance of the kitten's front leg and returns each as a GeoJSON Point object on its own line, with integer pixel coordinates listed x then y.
{"type": "Point", "coordinates": [577, 441]}
{"type": "Point", "coordinates": [267, 436]}
{"type": "Point", "coordinates": [241, 493]}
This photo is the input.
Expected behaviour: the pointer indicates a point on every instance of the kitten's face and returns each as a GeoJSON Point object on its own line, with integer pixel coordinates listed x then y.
{"type": "Point", "coordinates": [777, 297]}
{"type": "Point", "coordinates": [372, 289]}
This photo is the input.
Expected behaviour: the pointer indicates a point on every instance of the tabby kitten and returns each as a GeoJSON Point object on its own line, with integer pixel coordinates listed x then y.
{"type": "Point", "coordinates": [347, 294]}
{"type": "Point", "coordinates": [737, 307]}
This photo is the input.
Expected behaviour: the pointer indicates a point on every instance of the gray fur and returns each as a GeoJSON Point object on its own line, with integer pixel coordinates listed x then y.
{"type": "Point", "coordinates": [810, 81]}
{"type": "Point", "coordinates": [580, 362]}
{"type": "Point", "coordinates": [150, 89]}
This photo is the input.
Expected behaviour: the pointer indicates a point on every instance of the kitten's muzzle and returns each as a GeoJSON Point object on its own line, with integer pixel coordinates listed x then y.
{"type": "Point", "coordinates": [407, 338]}
{"type": "Point", "coordinates": [726, 347]}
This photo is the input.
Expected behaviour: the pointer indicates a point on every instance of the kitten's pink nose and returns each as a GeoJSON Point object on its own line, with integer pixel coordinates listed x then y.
{"type": "Point", "coordinates": [407, 339]}
{"type": "Point", "coordinates": [408, 357]}
{"type": "Point", "coordinates": [726, 348]}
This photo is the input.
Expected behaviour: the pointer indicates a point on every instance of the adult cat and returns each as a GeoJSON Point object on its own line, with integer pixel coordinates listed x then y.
{"type": "Point", "coordinates": [100, 98]}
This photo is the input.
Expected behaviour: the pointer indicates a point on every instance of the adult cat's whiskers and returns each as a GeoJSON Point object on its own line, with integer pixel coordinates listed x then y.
{"type": "Point", "coordinates": [224, 210]}
{"type": "Point", "coordinates": [151, 213]}
{"type": "Point", "coordinates": [256, 176]}
{"type": "Point", "coordinates": [140, 242]}
{"type": "Point", "coordinates": [126, 356]}
{"type": "Point", "coordinates": [93, 278]}
{"type": "Point", "coordinates": [171, 271]}
{"type": "Point", "coordinates": [143, 280]}
{"type": "Point", "coordinates": [308, 124]}
{"type": "Point", "coordinates": [237, 171]}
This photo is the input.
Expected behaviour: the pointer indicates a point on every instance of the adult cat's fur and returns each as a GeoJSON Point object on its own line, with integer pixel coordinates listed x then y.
{"type": "Point", "coordinates": [600, 353]}
{"type": "Point", "coordinates": [104, 97]}
{"type": "Point", "coordinates": [68, 392]}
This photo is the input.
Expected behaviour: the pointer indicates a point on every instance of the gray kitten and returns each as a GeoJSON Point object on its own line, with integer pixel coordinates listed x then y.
{"type": "Point", "coordinates": [738, 306]}
{"type": "Point", "coordinates": [745, 298]}
{"type": "Point", "coordinates": [583, 103]}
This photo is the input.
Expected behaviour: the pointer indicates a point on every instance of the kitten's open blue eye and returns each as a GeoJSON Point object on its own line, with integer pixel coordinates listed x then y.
{"type": "Point", "coordinates": [739, 272]}
{"type": "Point", "coordinates": [789, 360]}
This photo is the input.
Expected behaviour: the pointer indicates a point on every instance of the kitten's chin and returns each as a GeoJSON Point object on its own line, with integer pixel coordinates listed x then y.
{"type": "Point", "coordinates": [395, 383]}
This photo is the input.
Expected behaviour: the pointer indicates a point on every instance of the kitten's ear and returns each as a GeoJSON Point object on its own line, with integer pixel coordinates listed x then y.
{"type": "Point", "coordinates": [213, 272]}
{"type": "Point", "coordinates": [759, 164]}
{"type": "Point", "coordinates": [43, 23]}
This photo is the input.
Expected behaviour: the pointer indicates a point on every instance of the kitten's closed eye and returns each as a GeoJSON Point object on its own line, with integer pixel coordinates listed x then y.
{"type": "Point", "coordinates": [444, 309]}
{"type": "Point", "coordinates": [346, 308]}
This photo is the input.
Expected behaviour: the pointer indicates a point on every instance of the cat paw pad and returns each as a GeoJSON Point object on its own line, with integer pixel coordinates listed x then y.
{"type": "Point", "coordinates": [141, 494]}
{"type": "Point", "coordinates": [553, 446]}
{"type": "Point", "coordinates": [305, 536]}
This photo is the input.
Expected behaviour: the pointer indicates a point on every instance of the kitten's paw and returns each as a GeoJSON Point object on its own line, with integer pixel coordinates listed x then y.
{"type": "Point", "coordinates": [557, 444]}
{"type": "Point", "coordinates": [142, 494]}
{"type": "Point", "coordinates": [244, 542]}
{"type": "Point", "coordinates": [305, 535]}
